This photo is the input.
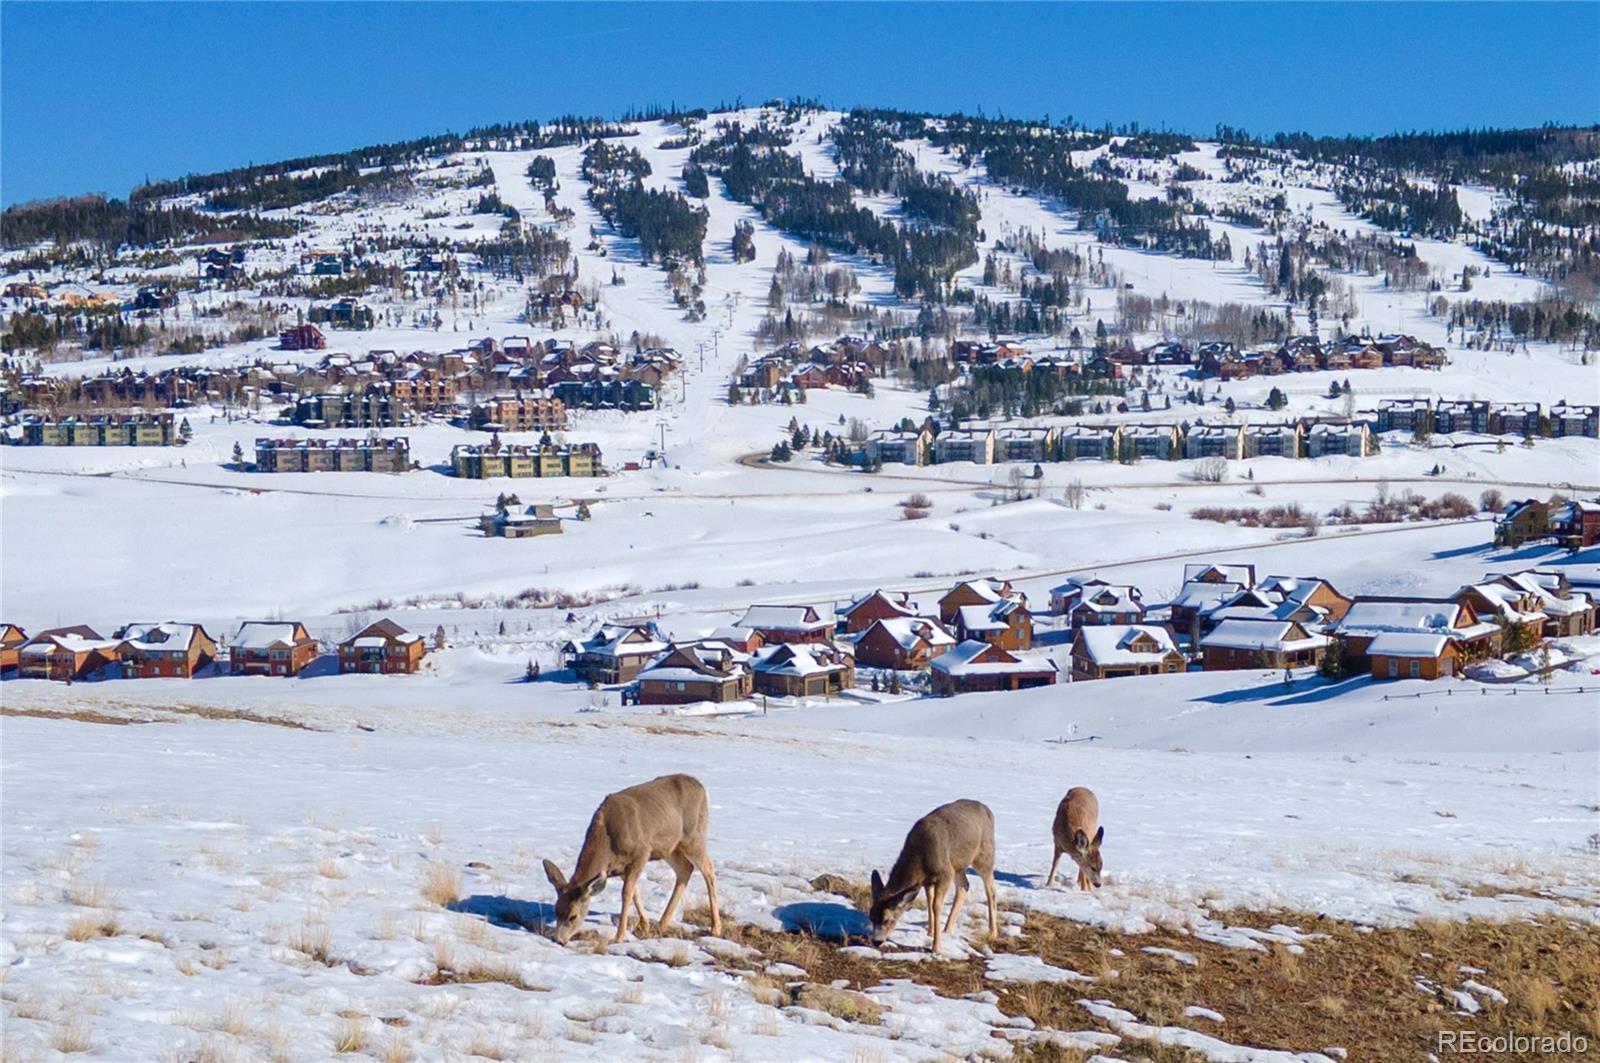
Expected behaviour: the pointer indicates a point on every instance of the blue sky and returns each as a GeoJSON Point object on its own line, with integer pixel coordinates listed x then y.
{"type": "Point", "coordinates": [95, 97]}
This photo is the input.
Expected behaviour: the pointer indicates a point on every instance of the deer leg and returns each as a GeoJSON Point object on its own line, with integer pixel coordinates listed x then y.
{"type": "Point", "coordinates": [956, 903]}
{"type": "Point", "coordinates": [988, 896]}
{"type": "Point", "coordinates": [638, 907]}
{"type": "Point", "coordinates": [630, 898]}
{"type": "Point", "coordinates": [683, 868]}
{"type": "Point", "coordinates": [1050, 880]}
{"type": "Point", "coordinates": [710, 876]}
{"type": "Point", "coordinates": [935, 902]}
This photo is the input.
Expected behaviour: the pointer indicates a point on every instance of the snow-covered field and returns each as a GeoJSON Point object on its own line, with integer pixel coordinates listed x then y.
{"type": "Point", "coordinates": [191, 886]}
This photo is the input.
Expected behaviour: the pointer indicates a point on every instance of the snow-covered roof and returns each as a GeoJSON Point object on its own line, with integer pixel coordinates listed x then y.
{"type": "Point", "coordinates": [1259, 634]}
{"type": "Point", "coordinates": [963, 659]}
{"type": "Point", "coordinates": [783, 659]}
{"type": "Point", "coordinates": [980, 618]}
{"type": "Point", "coordinates": [1408, 644]}
{"type": "Point", "coordinates": [265, 634]}
{"type": "Point", "coordinates": [907, 630]}
{"type": "Point", "coordinates": [162, 637]}
{"type": "Point", "coordinates": [783, 618]}
{"type": "Point", "coordinates": [1197, 595]}
{"type": "Point", "coordinates": [1115, 643]}
{"type": "Point", "coordinates": [616, 640]}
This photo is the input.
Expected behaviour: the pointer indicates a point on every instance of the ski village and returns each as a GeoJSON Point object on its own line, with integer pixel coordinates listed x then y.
{"type": "Point", "coordinates": [368, 518]}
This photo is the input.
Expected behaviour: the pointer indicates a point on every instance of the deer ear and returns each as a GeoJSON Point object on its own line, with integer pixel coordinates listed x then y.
{"type": "Point", "coordinates": [877, 885]}
{"type": "Point", "coordinates": [1099, 836]}
{"type": "Point", "coordinates": [553, 873]}
{"type": "Point", "coordinates": [1080, 841]}
{"type": "Point", "coordinates": [596, 884]}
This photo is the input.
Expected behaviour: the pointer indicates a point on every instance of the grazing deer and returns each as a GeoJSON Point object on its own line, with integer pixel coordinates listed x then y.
{"type": "Point", "coordinates": [936, 855]}
{"type": "Point", "coordinates": [1078, 833]}
{"type": "Point", "coordinates": [663, 819]}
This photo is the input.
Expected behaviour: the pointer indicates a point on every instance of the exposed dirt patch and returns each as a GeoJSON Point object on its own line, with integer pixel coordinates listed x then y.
{"type": "Point", "coordinates": [1379, 993]}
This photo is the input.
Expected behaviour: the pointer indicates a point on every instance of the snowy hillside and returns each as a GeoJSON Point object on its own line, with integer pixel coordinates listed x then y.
{"type": "Point", "coordinates": [333, 865]}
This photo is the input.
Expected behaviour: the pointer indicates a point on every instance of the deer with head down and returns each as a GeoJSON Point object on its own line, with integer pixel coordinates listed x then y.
{"type": "Point", "coordinates": [935, 857]}
{"type": "Point", "coordinates": [663, 819]}
{"type": "Point", "coordinates": [1078, 833]}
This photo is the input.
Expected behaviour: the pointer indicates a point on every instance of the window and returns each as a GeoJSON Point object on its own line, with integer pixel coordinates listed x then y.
{"type": "Point", "coordinates": [1416, 669]}
{"type": "Point", "coordinates": [1394, 668]}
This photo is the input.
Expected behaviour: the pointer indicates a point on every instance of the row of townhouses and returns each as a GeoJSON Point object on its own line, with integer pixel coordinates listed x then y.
{"type": "Point", "coordinates": [174, 650]}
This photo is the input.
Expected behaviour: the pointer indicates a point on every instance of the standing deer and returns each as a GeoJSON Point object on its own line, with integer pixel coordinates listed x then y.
{"type": "Point", "coordinates": [936, 855]}
{"type": "Point", "coordinates": [663, 819]}
{"type": "Point", "coordinates": [1078, 833]}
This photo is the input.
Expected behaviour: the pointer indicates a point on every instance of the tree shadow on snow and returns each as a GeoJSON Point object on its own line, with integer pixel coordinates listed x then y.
{"type": "Point", "coordinates": [506, 912]}
{"type": "Point", "coordinates": [838, 922]}
{"type": "Point", "coordinates": [1300, 692]}
{"type": "Point", "coordinates": [1021, 882]}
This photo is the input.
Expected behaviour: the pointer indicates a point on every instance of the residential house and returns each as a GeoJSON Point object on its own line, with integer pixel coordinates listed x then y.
{"type": "Point", "coordinates": [875, 605]}
{"type": "Point", "coordinates": [1309, 592]}
{"type": "Point", "coordinates": [12, 639]}
{"type": "Point", "coordinates": [1568, 613]}
{"type": "Point", "coordinates": [537, 519]}
{"type": "Point", "coordinates": [65, 654]}
{"type": "Point", "coordinates": [614, 653]}
{"type": "Point", "coordinates": [518, 413]}
{"type": "Point", "coordinates": [1325, 439]}
{"type": "Point", "coordinates": [800, 671]}
{"type": "Point", "coordinates": [1206, 586]}
{"type": "Point", "coordinates": [985, 592]}
{"type": "Point", "coordinates": [975, 666]}
{"type": "Point", "coordinates": [1461, 415]}
{"type": "Point", "coordinates": [1516, 419]}
{"type": "Point", "coordinates": [473, 462]}
{"type": "Point", "coordinates": [1404, 415]}
{"type": "Point", "coordinates": [902, 643]}
{"type": "Point", "coordinates": [890, 446]}
{"type": "Point", "coordinates": [1025, 444]}
{"type": "Point", "coordinates": [1096, 602]}
{"type": "Point", "coordinates": [1235, 644]}
{"type": "Point", "coordinates": [1118, 650]}
{"type": "Point", "coordinates": [302, 338]}
{"type": "Point", "coordinates": [271, 647]}
{"type": "Point", "coordinates": [1521, 522]}
{"type": "Point", "coordinates": [788, 623]}
{"type": "Point", "coordinates": [691, 672]}
{"type": "Point", "coordinates": [1214, 441]}
{"type": "Point", "coordinates": [1413, 655]}
{"type": "Point", "coordinates": [382, 648]}
{"type": "Point", "coordinates": [1519, 611]}
{"type": "Point", "coordinates": [1157, 441]}
{"type": "Point", "coordinates": [1575, 524]}
{"type": "Point", "coordinates": [1274, 440]}
{"type": "Point", "coordinates": [964, 444]}
{"type": "Point", "coordinates": [1370, 617]}
{"type": "Point", "coordinates": [1006, 624]}
{"type": "Point", "coordinates": [373, 454]}
{"type": "Point", "coordinates": [1569, 419]}
{"type": "Point", "coordinates": [165, 650]}
{"type": "Point", "coordinates": [1085, 442]}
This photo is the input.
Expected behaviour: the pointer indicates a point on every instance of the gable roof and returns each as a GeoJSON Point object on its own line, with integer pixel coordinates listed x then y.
{"type": "Point", "coordinates": [162, 637]}
{"type": "Point", "coordinates": [977, 658]}
{"type": "Point", "coordinates": [267, 634]}
{"type": "Point", "coordinates": [1117, 643]}
{"type": "Point", "coordinates": [783, 618]}
{"type": "Point", "coordinates": [1284, 635]}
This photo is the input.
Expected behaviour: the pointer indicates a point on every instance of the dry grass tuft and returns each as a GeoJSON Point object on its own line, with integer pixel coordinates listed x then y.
{"type": "Point", "coordinates": [90, 895]}
{"type": "Point", "coordinates": [397, 1049]}
{"type": "Point", "coordinates": [314, 939]}
{"type": "Point", "coordinates": [76, 1034]}
{"type": "Point", "coordinates": [441, 886]}
{"type": "Point", "coordinates": [351, 1036]}
{"type": "Point", "coordinates": [93, 925]}
{"type": "Point", "coordinates": [329, 868]}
